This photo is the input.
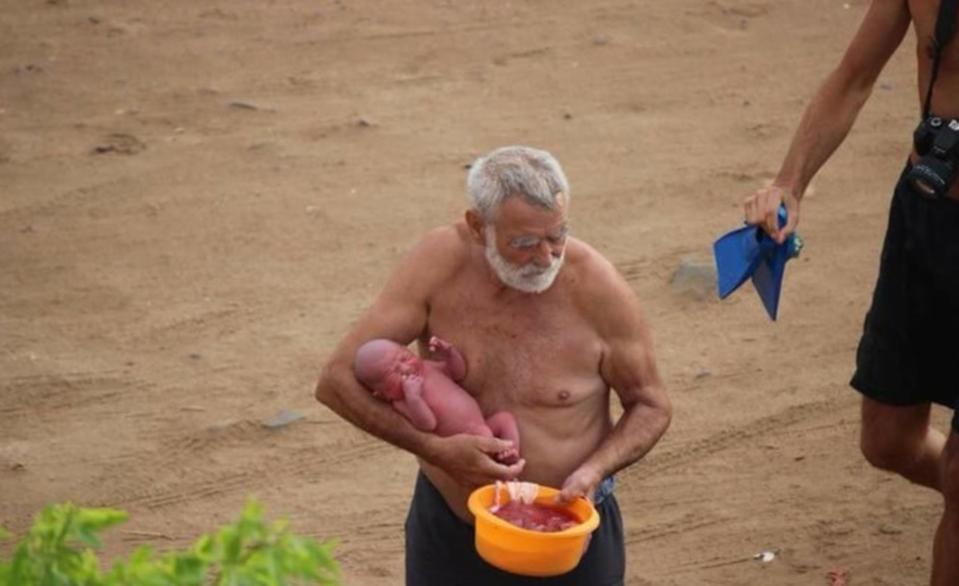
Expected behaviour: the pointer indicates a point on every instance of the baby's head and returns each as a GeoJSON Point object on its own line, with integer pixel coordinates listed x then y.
{"type": "Point", "coordinates": [381, 365]}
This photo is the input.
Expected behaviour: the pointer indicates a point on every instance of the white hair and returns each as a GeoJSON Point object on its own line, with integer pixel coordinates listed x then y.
{"type": "Point", "coordinates": [515, 171]}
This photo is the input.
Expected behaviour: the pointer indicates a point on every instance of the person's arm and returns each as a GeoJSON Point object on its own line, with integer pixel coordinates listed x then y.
{"type": "Point", "coordinates": [628, 366]}
{"type": "Point", "coordinates": [400, 314]}
{"type": "Point", "coordinates": [449, 357]}
{"type": "Point", "coordinates": [830, 115]}
{"type": "Point", "coordinates": [413, 406]}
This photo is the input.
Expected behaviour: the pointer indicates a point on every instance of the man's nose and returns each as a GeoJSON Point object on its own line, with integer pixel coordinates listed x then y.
{"type": "Point", "coordinates": [545, 255]}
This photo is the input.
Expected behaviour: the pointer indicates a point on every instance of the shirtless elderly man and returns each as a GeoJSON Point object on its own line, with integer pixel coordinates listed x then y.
{"type": "Point", "coordinates": [548, 328]}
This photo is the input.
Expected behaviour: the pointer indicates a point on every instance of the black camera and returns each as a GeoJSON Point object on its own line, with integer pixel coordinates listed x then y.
{"type": "Point", "coordinates": [937, 143]}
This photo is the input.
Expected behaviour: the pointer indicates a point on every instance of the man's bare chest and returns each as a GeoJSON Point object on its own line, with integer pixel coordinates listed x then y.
{"type": "Point", "coordinates": [924, 14]}
{"type": "Point", "coordinates": [540, 351]}
{"type": "Point", "coordinates": [944, 102]}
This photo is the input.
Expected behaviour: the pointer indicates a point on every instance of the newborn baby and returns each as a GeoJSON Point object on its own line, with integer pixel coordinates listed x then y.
{"type": "Point", "coordinates": [425, 392]}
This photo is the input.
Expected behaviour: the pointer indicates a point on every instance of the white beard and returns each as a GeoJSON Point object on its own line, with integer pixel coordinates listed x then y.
{"type": "Point", "coordinates": [527, 278]}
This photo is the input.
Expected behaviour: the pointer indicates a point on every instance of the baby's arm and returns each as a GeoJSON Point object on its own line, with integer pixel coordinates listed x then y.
{"type": "Point", "coordinates": [414, 407]}
{"type": "Point", "coordinates": [450, 357]}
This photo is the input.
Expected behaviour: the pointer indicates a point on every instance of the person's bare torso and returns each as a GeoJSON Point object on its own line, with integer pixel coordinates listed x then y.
{"type": "Point", "coordinates": [945, 95]}
{"type": "Point", "coordinates": [535, 355]}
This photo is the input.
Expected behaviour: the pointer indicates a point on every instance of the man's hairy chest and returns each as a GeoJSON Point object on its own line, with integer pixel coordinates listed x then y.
{"type": "Point", "coordinates": [541, 352]}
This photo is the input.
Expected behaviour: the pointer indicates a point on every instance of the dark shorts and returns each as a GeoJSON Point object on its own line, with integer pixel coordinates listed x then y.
{"type": "Point", "coordinates": [440, 549]}
{"type": "Point", "coordinates": [909, 351]}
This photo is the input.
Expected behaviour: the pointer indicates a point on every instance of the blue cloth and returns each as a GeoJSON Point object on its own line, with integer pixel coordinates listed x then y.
{"type": "Point", "coordinates": [749, 252]}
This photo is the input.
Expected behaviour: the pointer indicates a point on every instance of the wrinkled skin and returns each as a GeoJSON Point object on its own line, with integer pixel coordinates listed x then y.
{"type": "Point", "coordinates": [426, 391]}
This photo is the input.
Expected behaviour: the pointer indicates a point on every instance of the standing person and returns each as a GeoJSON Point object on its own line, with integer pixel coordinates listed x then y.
{"type": "Point", "coordinates": [548, 328]}
{"type": "Point", "coordinates": [910, 343]}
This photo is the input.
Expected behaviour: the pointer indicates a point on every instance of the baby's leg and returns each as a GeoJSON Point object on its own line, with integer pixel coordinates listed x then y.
{"type": "Point", "coordinates": [503, 425]}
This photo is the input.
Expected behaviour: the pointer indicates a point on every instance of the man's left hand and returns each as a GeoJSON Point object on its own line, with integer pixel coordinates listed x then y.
{"type": "Point", "coordinates": [581, 483]}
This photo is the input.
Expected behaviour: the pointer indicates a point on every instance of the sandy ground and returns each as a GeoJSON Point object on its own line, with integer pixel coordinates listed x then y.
{"type": "Point", "coordinates": [197, 199]}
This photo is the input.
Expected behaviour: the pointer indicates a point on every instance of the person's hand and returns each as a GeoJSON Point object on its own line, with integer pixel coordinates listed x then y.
{"type": "Point", "coordinates": [411, 377]}
{"type": "Point", "coordinates": [471, 459]}
{"type": "Point", "coordinates": [439, 346]}
{"type": "Point", "coordinates": [581, 483]}
{"type": "Point", "coordinates": [762, 208]}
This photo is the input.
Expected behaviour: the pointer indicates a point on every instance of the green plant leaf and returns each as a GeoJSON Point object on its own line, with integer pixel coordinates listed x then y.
{"type": "Point", "coordinates": [58, 550]}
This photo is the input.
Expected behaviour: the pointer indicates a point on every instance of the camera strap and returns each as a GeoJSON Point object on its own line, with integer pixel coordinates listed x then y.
{"type": "Point", "coordinates": [945, 27]}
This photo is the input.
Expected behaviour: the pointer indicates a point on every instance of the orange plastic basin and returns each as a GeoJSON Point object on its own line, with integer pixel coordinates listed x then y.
{"type": "Point", "coordinates": [526, 552]}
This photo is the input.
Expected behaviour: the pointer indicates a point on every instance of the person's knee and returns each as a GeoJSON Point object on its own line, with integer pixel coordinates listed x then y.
{"type": "Point", "coordinates": [886, 451]}
{"type": "Point", "coordinates": [892, 438]}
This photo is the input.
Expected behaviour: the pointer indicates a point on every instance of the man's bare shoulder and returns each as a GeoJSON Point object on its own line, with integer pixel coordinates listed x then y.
{"type": "Point", "coordinates": [441, 252]}
{"type": "Point", "coordinates": [600, 290]}
{"type": "Point", "coordinates": [589, 266]}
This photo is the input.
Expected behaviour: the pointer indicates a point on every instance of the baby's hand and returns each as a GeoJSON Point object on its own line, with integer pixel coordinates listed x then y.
{"type": "Point", "coordinates": [439, 346]}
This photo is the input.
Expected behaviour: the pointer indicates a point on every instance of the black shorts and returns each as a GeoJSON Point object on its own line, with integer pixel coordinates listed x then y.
{"type": "Point", "coordinates": [440, 548]}
{"type": "Point", "coordinates": [909, 351]}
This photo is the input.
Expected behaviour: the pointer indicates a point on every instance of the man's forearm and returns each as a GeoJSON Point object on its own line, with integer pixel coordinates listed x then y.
{"type": "Point", "coordinates": [341, 393]}
{"type": "Point", "coordinates": [825, 124]}
{"type": "Point", "coordinates": [639, 429]}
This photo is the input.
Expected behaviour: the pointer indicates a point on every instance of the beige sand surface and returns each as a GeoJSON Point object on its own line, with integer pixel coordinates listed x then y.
{"type": "Point", "coordinates": [198, 198]}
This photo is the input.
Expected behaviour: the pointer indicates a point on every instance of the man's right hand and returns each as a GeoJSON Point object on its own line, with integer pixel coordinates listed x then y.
{"type": "Point", "coordinates": [470, 459]}
{"type": "Point", "coordinates": [762, 209]}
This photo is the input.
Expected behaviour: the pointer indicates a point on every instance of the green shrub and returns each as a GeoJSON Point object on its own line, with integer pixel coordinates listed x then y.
{"type": "Point", "coordinates": [58, 551]}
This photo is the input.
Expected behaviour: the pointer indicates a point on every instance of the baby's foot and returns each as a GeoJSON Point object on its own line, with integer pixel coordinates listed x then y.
{"type": "Point", "coordinates": [508, 456]}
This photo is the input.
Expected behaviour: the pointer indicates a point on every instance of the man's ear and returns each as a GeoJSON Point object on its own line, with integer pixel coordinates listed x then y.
{"type": "Point", "coordinates": [476, 225]}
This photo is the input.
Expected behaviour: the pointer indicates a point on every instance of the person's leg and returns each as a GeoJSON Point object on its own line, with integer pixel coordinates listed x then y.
{"type": "Point", "coordinates": [893, 358]}
{"type": "Point", "coordinates": [604, 563]}
{"type": "Point", "coordinates": [899, 439]}
{"type": "Point", "coordinates": [436, 540]}
{"type": "Point", "coordinates": [945, 561]}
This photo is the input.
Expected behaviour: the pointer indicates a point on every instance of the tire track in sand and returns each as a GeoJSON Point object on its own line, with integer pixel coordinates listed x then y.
{"type": "Point", "coordinates": [195, 482]}
{"type": "Point", "coordinates": [686, 453]}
